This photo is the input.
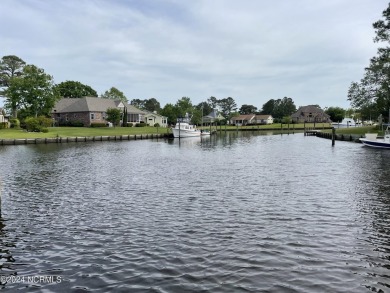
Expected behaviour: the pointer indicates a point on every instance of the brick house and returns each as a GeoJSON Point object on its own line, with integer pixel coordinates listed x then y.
{"type": "Point", "coordinates": [88, 110]}
{"type": "Point", "coordinates": [310, 113]}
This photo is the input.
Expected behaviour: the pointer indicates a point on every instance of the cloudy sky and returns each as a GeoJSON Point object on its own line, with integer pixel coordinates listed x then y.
{"type": "Point", "coordinates": [250, 50]}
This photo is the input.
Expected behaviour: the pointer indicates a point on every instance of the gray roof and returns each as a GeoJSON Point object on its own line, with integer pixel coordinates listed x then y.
{"type": "Point", "coordinates": [90, 104]}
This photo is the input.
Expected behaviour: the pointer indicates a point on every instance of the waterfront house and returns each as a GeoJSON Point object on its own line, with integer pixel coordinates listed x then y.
{"type": "Point", "coordinates": [243, 119]}
{"type": "Point", "coordinates": [310, 113]}
{"type": "Point", "coordinates": [264, 119]}
{"type": "Point", "coordinates": [88, 110]}
{"type": "Point", "coordinates": [151, 118]}
{"type": "Point", "coordinates": [214, 116]}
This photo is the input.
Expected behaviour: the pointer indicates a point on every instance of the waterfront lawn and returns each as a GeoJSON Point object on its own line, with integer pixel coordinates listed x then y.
{"type": "Point", "coordinates": [80, 132]}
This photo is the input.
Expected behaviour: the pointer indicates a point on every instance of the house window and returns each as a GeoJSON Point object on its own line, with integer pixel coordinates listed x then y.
{"type": "Point", "coordinates": [92, 116]}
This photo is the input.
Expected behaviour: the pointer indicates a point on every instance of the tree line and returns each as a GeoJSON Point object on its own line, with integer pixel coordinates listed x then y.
{"type": "Point", "coordinates": [30, 92]}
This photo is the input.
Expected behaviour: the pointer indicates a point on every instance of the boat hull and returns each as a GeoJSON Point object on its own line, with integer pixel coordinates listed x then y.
{"type": "Point", "coordinates": [185, 133]}
{"type": "Point", "coordinates": [375, 143]}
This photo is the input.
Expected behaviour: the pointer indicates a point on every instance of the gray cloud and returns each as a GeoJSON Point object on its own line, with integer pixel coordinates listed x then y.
{"type": "Point", "coordinates": [249, 50]}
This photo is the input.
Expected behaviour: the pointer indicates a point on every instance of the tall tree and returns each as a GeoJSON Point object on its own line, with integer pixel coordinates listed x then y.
{"type": "Point", "coordinates": [247, 109]}
{"type": "Point", "coordinates": [184, 106]}
{"type": "Point", "coordinates": [213, 102]}
{"type": "Point", "coordinates": [373, 90]}
{"type": "Point", "coordinates": [204, 108]}
{"type": "Point", "coordinates": [268, 107]}
{"type": "Point", "coordinates": [10, 66]}
{"type": "Point", "coordinates": [138, 103]}
{"type": "Point", "coordinates": [34, 91]}
{"type": "Point", "coordinates": [75, 89]}
{"type": "Point", "coordinates": [152, 105]}
{"type": "Point", "coordinates": [115, 94]}
{"type": "Point", "coordinates": [227, 106]}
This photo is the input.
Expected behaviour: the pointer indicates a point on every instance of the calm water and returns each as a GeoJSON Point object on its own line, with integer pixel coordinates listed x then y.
{"type": "Point", "coordinates": [235, 213]}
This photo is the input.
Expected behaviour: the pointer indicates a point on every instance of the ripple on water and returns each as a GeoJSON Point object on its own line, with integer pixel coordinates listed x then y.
{"type": "Point", "coordinates": [254, 213]}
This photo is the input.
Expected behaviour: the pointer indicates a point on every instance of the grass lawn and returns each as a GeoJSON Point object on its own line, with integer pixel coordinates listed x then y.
{"type": "Point", "coordinates": [111, 131]}
{"type": "Point", "coordinates": [80, 131]}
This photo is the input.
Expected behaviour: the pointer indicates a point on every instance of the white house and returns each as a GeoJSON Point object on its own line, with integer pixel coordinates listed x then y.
{"type": "Point", "coordinates": [264, 119]}
{"type": "Point", "coordinates": [151, 118]}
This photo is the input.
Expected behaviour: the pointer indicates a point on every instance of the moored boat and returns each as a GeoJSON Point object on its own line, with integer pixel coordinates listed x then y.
{"type": "Point", "coordinates": [347, 122]}
{"type": "Point", "coordinates": [183, 128]}
{"type": "Point", "coordinates": [371, 140]}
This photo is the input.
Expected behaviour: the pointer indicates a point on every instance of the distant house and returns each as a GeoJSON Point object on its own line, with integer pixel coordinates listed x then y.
{"type": "Point", "coordinates": [88, 110]}
{"type": "Point", "coordinates": [214, 116]}
{"type": "Point", "coordinates": [310, 113]}
{"type": "Point", "coordinates": [244, 119]}
{"type": "Point", "coordinates": [252, 119]}
{"type": "Point", "coordinates": [151, 118]}
{"type": "Point", "coordinates": [264, 119]}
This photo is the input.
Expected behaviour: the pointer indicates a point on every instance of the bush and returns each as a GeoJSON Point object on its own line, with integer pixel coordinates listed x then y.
{"type": "Point", "coordinates": [156, 125]}
{"type": "Point", "coordinates": [3, 125]}
{"type": "Point", "coordinates": [141, 124]}
{"type": "Point", "coordinates": [15, 123]}
{"type": "Point", "coordinates": [129, 124]}
{"type": "Point", "coordinates": [95, 125]}
{"type": "Point", "coordinates": [37, 124]}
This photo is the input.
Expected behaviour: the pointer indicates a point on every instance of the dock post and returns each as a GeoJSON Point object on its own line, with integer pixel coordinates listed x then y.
{"type": "Point", "coordinates": [333, 135]}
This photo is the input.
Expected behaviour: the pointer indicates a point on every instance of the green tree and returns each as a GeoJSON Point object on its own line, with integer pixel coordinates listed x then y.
{"type": "Point", "coordinates": [247, 109]}
{"type": "Point", "coordinates": [114, 94]}
{"type": "Point", "coordinates": [138, 103]}
{"type": "Point", "coordinates": [184, 106]}
{"type": "Point", "coordinates": [125, 117]}
{"type": "Point", "coordinates": [213, 102]}
{"type": "Point", "coordinates": [336, 113]}
{"type": "Point", "coordinates": [114, 116]}
{"type": "Point", "coordinates": [268, 107]}
{"type": "Point", "coordinates": [75, 89]}
{"type": "Point", "coordinates": [170, 111]}
{"type": "Point", "coordinates": [152, 105]}
{"type": "Point", "coordinates": [34, 90]}
{"type": "Point", "coordinates": [373, 90]}
{"type": "Point", "coordinates": [227, 106]}
{"type": "Point", "coordinates": [10, 66]}
{"type": "Point", "coordinates": [205, 108]}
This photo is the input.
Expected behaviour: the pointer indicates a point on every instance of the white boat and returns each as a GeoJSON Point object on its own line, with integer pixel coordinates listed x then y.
{"type": "Point", "coordinates": [347, 122]}
{"type": "Point", "coordinates": [183, 128]}
{"type": "Point", "coordinates": [371, 140]}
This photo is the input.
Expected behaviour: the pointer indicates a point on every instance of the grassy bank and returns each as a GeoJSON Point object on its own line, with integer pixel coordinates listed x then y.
{"type": "Point", "coordinates": [110, 131]}
{"type": "Point", "coordinates": [80, 131]}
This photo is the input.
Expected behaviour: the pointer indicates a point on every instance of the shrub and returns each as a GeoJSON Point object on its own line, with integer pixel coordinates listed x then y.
{"type": "Point", "coordinates": [3, 125]}
{"type": "Point", "coordinates": [129, 124]}
{"type": "Point", "coordinates": [37, 124]}
{"type": "Point", "coordinates": [156, 125]}
{"type": "Point", "coordinates": [15, 123]}
{"type": "Point", "coordinates": [141, 124]}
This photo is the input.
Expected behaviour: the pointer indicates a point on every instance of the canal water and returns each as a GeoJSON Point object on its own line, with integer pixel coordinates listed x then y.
{"type": "Point", "coordinates": [236, 212]}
